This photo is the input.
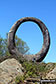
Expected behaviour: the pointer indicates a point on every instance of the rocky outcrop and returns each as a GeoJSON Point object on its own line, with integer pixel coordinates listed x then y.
{"type": "Point", "coordinates": [9, 69]}
{"type": "Point", "coordinates": [52, 74]}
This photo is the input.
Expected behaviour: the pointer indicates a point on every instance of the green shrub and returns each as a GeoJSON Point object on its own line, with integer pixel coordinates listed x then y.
{"type": "Point", "coordinates": [35, 82]}
{"type": "Point", "coordinates": [19, 79]}
{"type": "Point", "coordinates": [26, 75]}
{"type": "Point", "coordinates": [31, 69]}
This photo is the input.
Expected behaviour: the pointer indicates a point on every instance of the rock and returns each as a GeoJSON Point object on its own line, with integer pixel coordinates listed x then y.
{"type": "Point", "coordinates": [9, 69]}
{"type": "Point", "coordinates": [33, 79]}
{"type": "Point", "coordinates": [49, 66]}
{"type": "Point", "coordinates": [52, 74]}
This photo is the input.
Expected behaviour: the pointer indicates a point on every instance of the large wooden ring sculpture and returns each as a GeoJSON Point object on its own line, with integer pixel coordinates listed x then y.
{"type": "Point", "coordinates": [46, 43]}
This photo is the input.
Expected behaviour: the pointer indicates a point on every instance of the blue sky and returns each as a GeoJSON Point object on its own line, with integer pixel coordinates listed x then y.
{"type": "Point", "coordinates": [45, 10]}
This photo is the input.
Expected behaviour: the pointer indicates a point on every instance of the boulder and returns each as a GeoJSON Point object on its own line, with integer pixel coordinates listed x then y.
{"type": "Point", "coordinates": [9, 69]}
{"type": "Point", "coordinates": [52, 74]}
{"type": "Point", "coordinates": [50, 66]}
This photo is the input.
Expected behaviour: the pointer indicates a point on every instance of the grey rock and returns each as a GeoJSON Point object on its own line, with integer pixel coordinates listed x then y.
{"type": "Point", "coordinates": [52, 74]}
{"type": "Point", "coordinates": [9, 69]}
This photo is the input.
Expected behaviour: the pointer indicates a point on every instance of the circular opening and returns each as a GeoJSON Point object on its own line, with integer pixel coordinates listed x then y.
{"type": "Point", "coordinates": [30, 33]}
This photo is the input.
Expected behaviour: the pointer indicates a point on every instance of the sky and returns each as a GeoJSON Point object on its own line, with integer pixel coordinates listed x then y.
{"type": "Point", "coordinates": [45, 10]}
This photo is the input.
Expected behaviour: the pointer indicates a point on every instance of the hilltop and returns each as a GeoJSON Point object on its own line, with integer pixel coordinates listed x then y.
{"type": "Point", "coordinates": [28, 69]}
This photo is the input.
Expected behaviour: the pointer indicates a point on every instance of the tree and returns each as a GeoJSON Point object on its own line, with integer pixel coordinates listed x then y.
{"type": "Point", "coordinates": [20, 44]}
{"type": "Point", "coordinates": [1, 46]}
